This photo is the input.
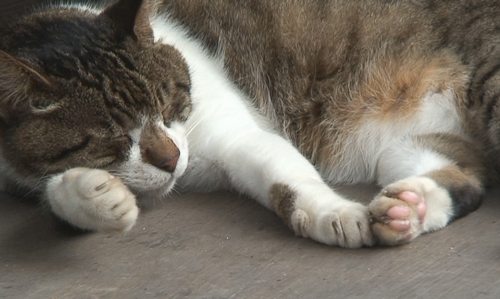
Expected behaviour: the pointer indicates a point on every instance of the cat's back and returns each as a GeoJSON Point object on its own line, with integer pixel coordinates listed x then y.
{"type": "Point", "coordinates": [279, 51]}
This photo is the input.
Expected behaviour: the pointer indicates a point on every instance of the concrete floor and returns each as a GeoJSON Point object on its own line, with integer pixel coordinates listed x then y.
{"type": "Point", "coordinates": [225, 246]}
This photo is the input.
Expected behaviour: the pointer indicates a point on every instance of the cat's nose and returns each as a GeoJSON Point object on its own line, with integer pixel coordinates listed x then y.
{"type": "Point", "coordinates": [162, 157]}
{"type": "Point", "coordinates": [159, 150]}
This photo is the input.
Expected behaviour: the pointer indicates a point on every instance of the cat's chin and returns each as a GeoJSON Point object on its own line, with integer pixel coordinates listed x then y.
{"type": "Point", "coordinates": [144, 179]}
{"type": "Point", "coordinates": [157, 191]}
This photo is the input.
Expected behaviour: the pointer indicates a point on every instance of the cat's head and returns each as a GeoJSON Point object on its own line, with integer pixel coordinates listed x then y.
{"type": "Point", "coordinates": [86, 89]}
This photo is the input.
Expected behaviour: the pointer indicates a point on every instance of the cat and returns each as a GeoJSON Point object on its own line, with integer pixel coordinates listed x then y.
{"type": "Point", "coordinates": [277, 100]}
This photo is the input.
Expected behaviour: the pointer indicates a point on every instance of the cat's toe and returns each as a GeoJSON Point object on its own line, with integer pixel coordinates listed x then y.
{"type": "Point", "coordinates": [117, 208]}
{"type": "Point", "coordinates": [351, 226]}
{"type": "Point", "coordinates": [315, 212]}
{"type": "Point", "coordinates": [89, 183]}
{"type": "Point", "coordinates": [114, 204]}
{"type": "Point", "coordinates": [96, 200]}
{"type": "Point", "coordinates": [397, 216]}
{"type": "Point", "coordinates": [347, 226]}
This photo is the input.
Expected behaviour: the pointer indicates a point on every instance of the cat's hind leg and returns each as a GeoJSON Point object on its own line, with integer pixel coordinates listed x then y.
{"type": "Point", "coordinates": [92, 199]}
{"type": "Point", "coordinates": [428, 182]}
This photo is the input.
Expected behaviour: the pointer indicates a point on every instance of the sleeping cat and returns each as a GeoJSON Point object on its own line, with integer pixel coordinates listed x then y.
{"type": "Point", "coordinates": [273, 99]}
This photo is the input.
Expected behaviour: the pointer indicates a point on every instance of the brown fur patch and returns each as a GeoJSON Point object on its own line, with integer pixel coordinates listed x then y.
{"type": "Point", "coordinates": [394, 87]}
{"type": "Point", "coordinates": [465, 190]}
{"type": "Point", "coordinates": [468, 155]}
{"type": "Point", "coordinates": [465, 180]}
{"type": "Point", "coordinates": [283, 202]}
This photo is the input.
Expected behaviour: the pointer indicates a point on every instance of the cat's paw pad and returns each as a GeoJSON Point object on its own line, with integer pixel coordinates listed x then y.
{"type": "Point", "coordinates": [398, 212]}
{"type": "Point", "coordinates": [346, 225]}
{"type": "Point", "coordinates": [94, 199]}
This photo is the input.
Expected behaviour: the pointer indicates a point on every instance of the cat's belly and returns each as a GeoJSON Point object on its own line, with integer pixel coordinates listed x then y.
{"type": "Point", "coordinates": [361, 152]}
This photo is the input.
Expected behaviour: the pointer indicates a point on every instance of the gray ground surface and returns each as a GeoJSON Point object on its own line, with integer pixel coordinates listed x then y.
{"type": "Point", "coordinates": [225, 246]}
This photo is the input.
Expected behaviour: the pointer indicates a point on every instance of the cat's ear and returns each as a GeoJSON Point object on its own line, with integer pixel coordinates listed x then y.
{"type": "Point", "coordinates": [132, 17]}
{"type": "Point", "coordinates": [17, 77]}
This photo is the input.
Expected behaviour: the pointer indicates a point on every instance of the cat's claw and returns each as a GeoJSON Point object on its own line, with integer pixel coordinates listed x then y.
{"type": "Point", "coordinates": [398, 213]}
{"type": "Point", "coordinates": [313, 210]}
{"type": "Point", "coordinates": [349, 226]}
{"type": "Point", "coordinates": [93, 199]}
{"type": "Point", "coordinates": [345, 226]}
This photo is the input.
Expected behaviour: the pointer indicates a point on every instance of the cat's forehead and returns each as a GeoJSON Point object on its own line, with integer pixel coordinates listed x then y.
{"type": "Point", "coordinates": [60, 28]}
{"type": "Point", "coordinates": [84, 56]}
{"type": "Point", "coordinates": [96, 69]}
{"type": "Point", "coordinates": [65, 39]}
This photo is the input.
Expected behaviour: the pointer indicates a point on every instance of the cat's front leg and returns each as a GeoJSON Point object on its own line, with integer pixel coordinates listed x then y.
{"type": "Point", "coordinates": [267, 167]}
{"type": "Point", "coordinates": [311, 209]}
{"type": "Point", "coordinates": [92, 199]}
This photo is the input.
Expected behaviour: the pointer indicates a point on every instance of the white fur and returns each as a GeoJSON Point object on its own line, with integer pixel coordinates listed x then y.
{"type": "Point", "coordinates": [439, 204]}
{"type": "Point", "coordinates": [406, 159]}
{"type": "Point", "coordinates": [92, 199]}
{"type": "Point", "coordinates": [145, 178]}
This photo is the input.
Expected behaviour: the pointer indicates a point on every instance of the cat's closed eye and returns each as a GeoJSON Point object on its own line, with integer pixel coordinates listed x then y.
{"type": "Point", "coordinates": [117, 149]}
{"type": "Point", "coordinates": [43, 105]}
{"type": "Point", "coordinates": [180, 108]}
{"type": "Point", "coordinates": [178, 111]}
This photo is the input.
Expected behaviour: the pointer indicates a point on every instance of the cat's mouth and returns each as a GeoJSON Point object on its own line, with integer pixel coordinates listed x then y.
{"type": "Point", "coordinates": [159, 192]}
{"type": "Point", "coordinates": [151, 178]}
{"type": "Point", "coordinates": [149, 183]}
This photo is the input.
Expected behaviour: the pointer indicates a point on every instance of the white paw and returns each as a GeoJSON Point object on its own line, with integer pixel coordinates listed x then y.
{"type": "Point", "coordinates": [345, 226]}
{"type": "Point", "coordinates": [92, 199]}
{"type": "Point", "coordinates": [408, 208]}
{"type": "Point", "coordinates": [329, 219]}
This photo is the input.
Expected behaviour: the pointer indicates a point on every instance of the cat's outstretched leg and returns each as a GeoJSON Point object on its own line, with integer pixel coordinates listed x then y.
{"type": "Point", "coordinates": [439, 179]}
{"type": "Point", "coordinates": [312, 209]}
{"type": "Point", "coordinates": [267, 167]}
{"type": "Point", "coordinates": [92, 199]}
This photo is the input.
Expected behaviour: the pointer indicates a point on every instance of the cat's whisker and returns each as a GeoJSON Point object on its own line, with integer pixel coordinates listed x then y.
{"type": "Point", "coordinates": [36, 187]}
{"type": "Point", "coordinates": [173, 190]}
{"type": "Point", "coordinates": [194, 126]}
{"type": "Point", "coordinates": [113, 172]}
